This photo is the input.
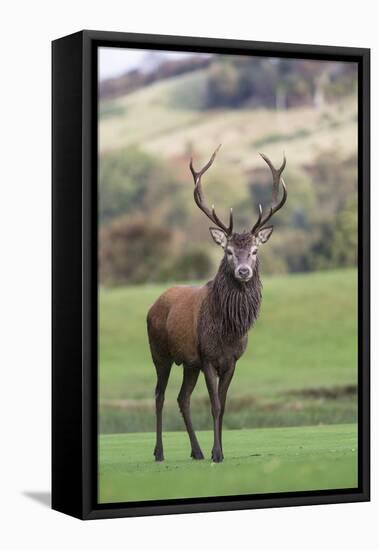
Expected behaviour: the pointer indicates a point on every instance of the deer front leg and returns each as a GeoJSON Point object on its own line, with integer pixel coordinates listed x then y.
{"type": "Point", "coordinates": [223, 386]}
{"type": "Point", "coordinates": [190, 376]}
{"type": "Point", "coordinates": [211, 381]}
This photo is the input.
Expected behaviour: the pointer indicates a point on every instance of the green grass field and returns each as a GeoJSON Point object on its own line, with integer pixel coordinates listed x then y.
{"type": "Point", "coordinates": [299, 368]}
{"type": "Point", "coordinates": [256, 461]}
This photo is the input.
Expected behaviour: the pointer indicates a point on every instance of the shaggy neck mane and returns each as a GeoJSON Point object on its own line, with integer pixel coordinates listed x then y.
{"type": "Point", "coordinates": [233, 304]}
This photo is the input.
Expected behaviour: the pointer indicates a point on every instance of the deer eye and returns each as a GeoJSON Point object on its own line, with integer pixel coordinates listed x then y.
{"type": "Point", "coordinates": [229, 251]}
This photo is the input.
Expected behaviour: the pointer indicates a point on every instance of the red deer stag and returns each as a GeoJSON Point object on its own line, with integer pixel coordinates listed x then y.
{"type": "Point", "coordinates": [205, 328]}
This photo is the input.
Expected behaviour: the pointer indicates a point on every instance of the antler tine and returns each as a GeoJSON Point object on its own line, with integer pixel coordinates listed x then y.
{"type": "Point", "coordinates": [258, 222]}
{"type": "Point", "coordinates": [217, 220]}
{"type": "Point", "coordinates": [277, 180]}
{"type": "Point", "coordinates": [276, 175]}
{"type": "Point", "coordinates": [230, 228]}
{"type": "Point", "coordinates": [197, 175]}
{"type": "Point", "coordinates": [277, 207]}
{"type": "Point", "coordinates": [199, 196]}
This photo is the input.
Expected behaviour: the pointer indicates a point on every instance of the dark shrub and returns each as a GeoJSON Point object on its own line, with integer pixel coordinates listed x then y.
{"type": "Point", "coordinates": [132, 249]}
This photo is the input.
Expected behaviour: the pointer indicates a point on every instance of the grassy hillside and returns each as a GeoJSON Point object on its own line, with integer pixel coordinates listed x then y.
{"type": "Point", "coordinates": [299, 367]}
{"type": "Point", "coordinates": [151, 119]}
{"type": "Point", "coordinates": [256, 461]}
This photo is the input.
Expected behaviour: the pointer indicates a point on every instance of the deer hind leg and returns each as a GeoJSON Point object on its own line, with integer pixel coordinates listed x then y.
{"type": "Point", "coordinates": [163, 369]}
{"type": "Point", "coordinates": [190, 376]}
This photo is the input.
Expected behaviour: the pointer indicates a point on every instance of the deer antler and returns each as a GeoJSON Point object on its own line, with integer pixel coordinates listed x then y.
{"type": "Point", "coordinates": [276, 181]}
{"type": "Point", "coordinates": [199, 196]}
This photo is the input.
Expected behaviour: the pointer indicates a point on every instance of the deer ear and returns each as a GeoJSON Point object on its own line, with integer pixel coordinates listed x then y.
{"type": "Point", "coordinates": [264, 234]}
{"type": "Point", "coordinates": [218, 236]}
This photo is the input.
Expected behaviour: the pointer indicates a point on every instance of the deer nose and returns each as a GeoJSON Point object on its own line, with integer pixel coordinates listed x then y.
{"type": "Point", "coordinates": [244, 272]}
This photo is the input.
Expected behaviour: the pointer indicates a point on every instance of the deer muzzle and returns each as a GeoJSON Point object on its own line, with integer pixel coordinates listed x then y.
{"type": "Point", "coordinates": [243, 273]}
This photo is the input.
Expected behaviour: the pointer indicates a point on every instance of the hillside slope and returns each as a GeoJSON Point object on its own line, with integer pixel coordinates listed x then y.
{"type": "Point", "coordinates": [151, 119]}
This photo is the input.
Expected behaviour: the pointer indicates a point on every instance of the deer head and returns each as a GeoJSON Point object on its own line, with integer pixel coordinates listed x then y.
{"type": "Point", "coordinates": [241, 249]}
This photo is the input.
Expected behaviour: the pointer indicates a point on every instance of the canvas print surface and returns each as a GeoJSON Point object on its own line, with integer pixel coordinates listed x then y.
{"type": "Point", "coordinates": [227, 356]}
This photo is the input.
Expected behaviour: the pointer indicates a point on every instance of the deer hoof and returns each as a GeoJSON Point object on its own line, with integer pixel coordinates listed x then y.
{"type": "Point", "coordinates": [159, 457]}
{"type": "Point", "coordinates": [158, 453]}
{"type": "Point", "coordinates": [197, 455]}
{"type": "Point", "coordinates": [217, 455]}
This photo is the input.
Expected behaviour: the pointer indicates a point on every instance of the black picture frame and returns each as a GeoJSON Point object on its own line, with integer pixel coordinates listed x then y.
{"type": "Point", "coordinates": [74, 273]}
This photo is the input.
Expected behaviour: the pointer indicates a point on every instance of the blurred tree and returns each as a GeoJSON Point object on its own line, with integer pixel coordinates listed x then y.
{"type": "Point", "coordinates": [337, 245]}
{"type": "Point", "coordinates": [124, 179]}
{"type": "Point", "coordinates": [272, 261]}
{"type": "Point", "coordinates": [132, 249]}
{"type": "Point", "coordinates": [235, 81]}
{"type": "Point", "coordinates": [334, 179]}
{"type": "Point", "coordinates": [223, 86]}
{"type": "Point", "coordinates": [195, 264]}
{"type": "Point", "coordinates": [345, 235]}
